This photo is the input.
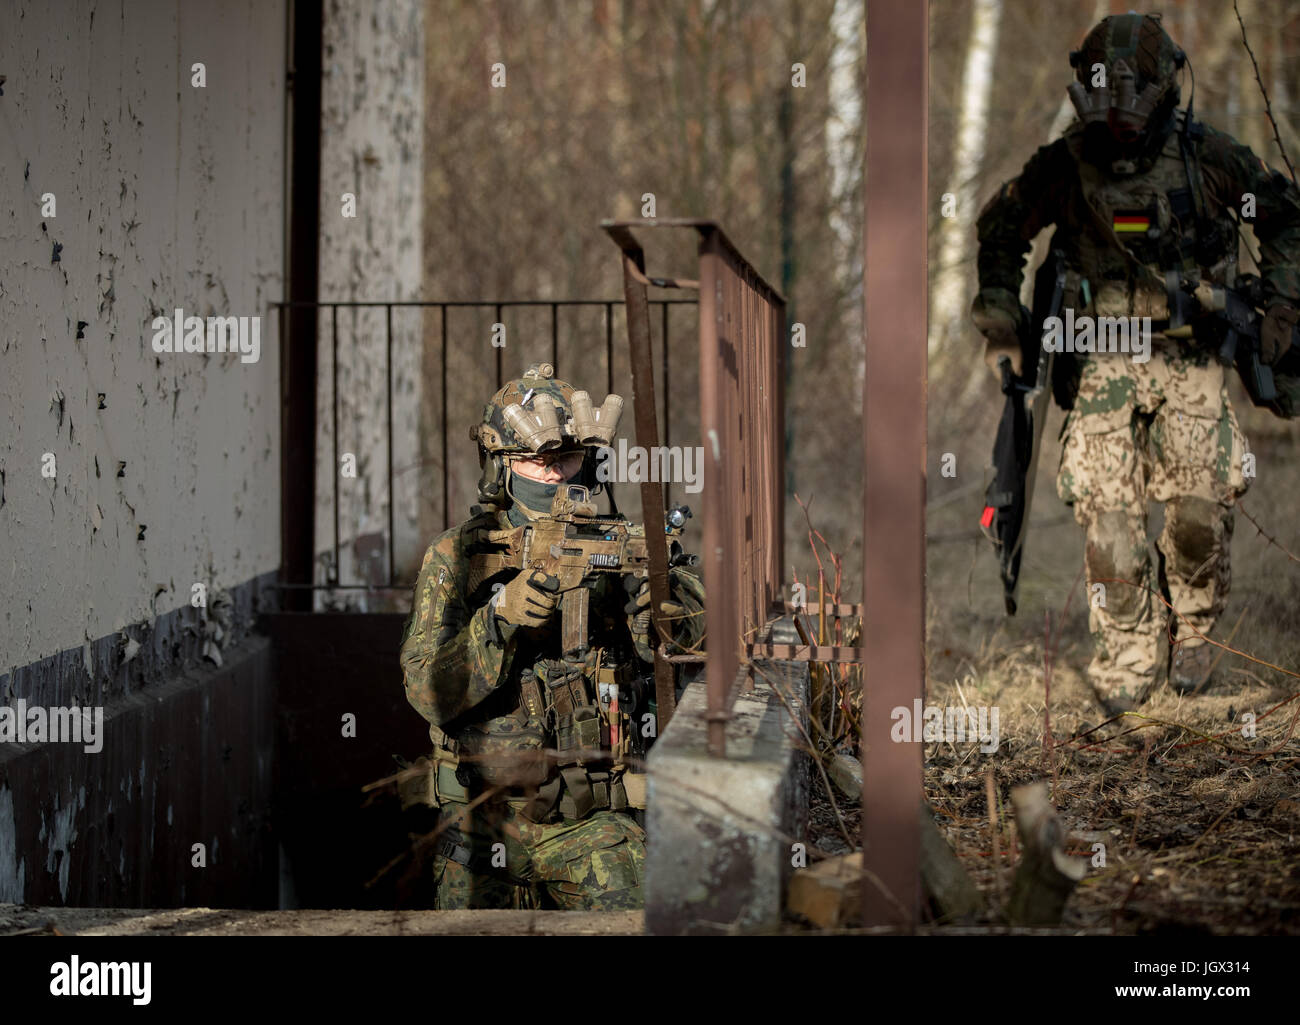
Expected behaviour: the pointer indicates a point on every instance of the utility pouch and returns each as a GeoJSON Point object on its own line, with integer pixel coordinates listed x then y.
{"type": "Point", "coordinates": [448, 787]}
{"type": "Point", "coordinates": [578, 800]}
{"type": "Point", "coordinates": [507, 751]}
{"type": "Point", "coordinates": [566, 689]}
{"type": "Point", "coordinates": [541, 806]}
{"type": "Point", "coordinates": [419, 790]}
{"type": "Point", "coordinates": [433, 781]}
{"type": "Point", "coordinates": [586, 791]}
{"type": "Point", "coordinates": [531, 693]}
{"type": "Point", "coordinates": [577, 731]}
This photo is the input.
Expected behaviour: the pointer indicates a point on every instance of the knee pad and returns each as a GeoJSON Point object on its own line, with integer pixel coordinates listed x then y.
{"type": "Point", "coordinates": [1194, 533]}
{"type": "Point", "coordinates": [1115, 552]}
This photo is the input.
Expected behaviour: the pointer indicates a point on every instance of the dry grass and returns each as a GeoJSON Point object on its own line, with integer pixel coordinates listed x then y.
{"type": "Point", "coordinates": [1201, 825]}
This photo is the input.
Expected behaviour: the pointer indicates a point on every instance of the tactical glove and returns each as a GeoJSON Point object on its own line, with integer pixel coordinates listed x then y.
{"type": "Point", "coordinates": [530, 599]}
{"type": "Point", "coordinates": [684, 612]}
{"type": "Point", "coordinates": [1275, 332]}
{"type": "Point", "coordinates": [996, 315]}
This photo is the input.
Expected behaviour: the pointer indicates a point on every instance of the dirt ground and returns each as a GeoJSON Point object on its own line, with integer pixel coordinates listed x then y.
{"type": "Point", "coordinates": [1200, 821]}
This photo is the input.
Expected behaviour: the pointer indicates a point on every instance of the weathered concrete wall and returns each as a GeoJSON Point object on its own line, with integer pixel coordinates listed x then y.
{"type": "Point", "coordinates": [372, 135]}
{"type": "Point", "coordinates": [129, 191]}
{"type": "Point", "coordinates": [185, 761]}
{"type": "Point", "coordinates": [166, 196]}
{"type": "Point", "coordinates": [719, 830]}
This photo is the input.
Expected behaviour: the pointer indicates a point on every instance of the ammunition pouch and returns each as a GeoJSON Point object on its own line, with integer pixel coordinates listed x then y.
{"type": "Point", "coordinates": [578, 730]}
{"type": "Point", "coordinates": [569, 707]}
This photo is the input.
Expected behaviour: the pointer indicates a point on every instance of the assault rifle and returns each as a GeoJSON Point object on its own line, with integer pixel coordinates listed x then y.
{"type": "Point", "coordinates": [1233, 313]}
{"type": "Point", "coordinates": [1010, 493]}
{"type": "Point", "coordinates": [575, 546]}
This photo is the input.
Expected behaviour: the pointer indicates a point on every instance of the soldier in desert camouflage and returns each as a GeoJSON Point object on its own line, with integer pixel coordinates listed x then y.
{"type": "Point", "coordinates": [480, 660]}
{"type": "Point", "coordinates": [1140, 195]}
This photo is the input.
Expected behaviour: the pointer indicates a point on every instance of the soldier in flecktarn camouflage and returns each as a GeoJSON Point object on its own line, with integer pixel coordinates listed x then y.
{"type": "Point", "coordinates": [481, 661]}
{"type": "Point", "coordinates": [1143, 200]}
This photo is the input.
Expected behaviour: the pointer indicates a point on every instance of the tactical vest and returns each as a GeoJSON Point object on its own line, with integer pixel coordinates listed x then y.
{"type": "Point", "coordinates": [1138, 228]}
{"type": "Point", "coordinates": [554, 706]}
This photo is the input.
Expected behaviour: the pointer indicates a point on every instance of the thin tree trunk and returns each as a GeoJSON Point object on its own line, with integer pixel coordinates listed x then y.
{"type": "Point", "coordinates": [952, 279]}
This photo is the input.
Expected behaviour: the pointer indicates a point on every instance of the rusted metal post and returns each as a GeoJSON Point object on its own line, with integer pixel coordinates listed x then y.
{"type": "Point", "coordinates": [893, 619]}
{"type": "Point", "coordinates": [741, 321]}
{"type": "Point", "coordinates": [652, 496]}
{"type": "Point", "coordinates": [718, 558]}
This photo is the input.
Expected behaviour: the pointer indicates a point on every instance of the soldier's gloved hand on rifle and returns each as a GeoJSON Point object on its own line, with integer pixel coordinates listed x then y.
{"type": "Point", "coordinates": [996, 313]}
{"type": "Point", "coordinates": [1275, 332]}
{"type": "Point", "coordinates": [684, 613]}
{"type": "Point", "coordinates": [530, 599]}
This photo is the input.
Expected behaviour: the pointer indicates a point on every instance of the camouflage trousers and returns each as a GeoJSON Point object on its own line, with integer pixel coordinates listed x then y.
{"type": "Point", "coordinates": [494, 857]}
{"type": "Point", "coordinates": [1163, 431]}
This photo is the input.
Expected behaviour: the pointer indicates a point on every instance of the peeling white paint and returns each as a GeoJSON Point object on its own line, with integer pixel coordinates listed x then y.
{"type": "Point", "coordinates": [168, 196]}
{"type": "Point", "coordinates": [62, 836]}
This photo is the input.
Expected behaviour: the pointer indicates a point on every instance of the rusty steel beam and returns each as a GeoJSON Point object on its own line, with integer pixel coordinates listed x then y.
{"type": "Point", "coordinates": [893, 617]}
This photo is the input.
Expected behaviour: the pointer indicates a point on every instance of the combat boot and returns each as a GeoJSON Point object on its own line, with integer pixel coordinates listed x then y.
{"type": "Point", "coordinates": [1192, 667]}
{"type": "Point", "coordinates": [1118, 697]}
{"type": "Point", "coordinates": [1117, 704]}
{"type": "Point", "coordinates": [1122, 684]}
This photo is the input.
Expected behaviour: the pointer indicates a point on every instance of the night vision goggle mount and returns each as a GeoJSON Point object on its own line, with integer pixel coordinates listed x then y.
{"type": "Point", "coordinates": [540, 429]}
{"type": "Point", "coordinates": [1118, 92]}
{"type": "Point", "coordinates": [1095, 105]}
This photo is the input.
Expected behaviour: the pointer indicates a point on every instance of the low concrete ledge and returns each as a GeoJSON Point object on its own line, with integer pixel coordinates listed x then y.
{"type": "Point", "coordinates": [18, 920]}
{"type": "Point", "coordinates": [719, 830]}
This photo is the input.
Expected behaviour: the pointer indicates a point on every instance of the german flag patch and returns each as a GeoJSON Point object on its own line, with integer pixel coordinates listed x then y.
{"type": "Point", "coordinates": [1131, 222]}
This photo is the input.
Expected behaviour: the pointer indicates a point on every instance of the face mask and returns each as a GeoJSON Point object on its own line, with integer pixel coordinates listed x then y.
{"type": "Point", "coordinates": [532, 493]}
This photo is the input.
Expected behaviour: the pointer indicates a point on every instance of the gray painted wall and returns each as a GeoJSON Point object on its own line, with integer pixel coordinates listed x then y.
{"type": "Point", "coordinates": [167, 196]}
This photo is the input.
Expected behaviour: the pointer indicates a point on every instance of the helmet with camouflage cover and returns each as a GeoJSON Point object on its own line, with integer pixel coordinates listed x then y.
{"type": "Point", "coordinates": [1127, 72]}
{"type": "Point", "coordinates": [538, 413]}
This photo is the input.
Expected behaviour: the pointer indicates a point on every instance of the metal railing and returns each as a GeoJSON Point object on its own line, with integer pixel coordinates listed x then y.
{"type": "Point", "coordinates": [742, 428]}
{"type": "Point", "coordinates": [392, 581]}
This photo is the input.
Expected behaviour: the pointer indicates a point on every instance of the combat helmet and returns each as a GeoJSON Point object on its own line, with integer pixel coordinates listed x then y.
{"type": "Point", "coordinates": [538, 413]}
{"type": "Point", "coordinates": [1126, 74]}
